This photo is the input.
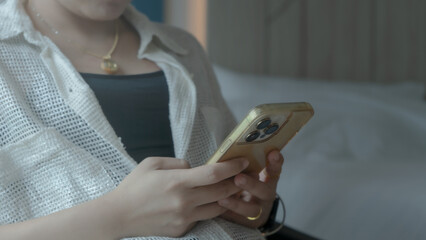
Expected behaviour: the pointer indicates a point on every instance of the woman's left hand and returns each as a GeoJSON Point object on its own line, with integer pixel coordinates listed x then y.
{"type": "Point", "coordinates": [258, 194]}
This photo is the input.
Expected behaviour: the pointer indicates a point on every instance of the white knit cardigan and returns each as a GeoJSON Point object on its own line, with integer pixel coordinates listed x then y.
{"type": "Point", "coordinates": [56, 147]}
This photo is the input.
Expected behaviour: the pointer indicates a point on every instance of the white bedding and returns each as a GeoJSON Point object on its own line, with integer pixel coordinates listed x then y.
{"type": "Point", "coordinates": [357, 170]}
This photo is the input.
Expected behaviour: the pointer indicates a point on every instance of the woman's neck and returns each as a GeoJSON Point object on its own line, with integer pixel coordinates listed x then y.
{"type": "Point", "coordinates": [49, 16]}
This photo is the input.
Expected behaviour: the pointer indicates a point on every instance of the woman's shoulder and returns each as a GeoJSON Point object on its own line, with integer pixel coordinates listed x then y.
{"type": "Point", "coordinates": [180, 37]}
{"type": "Point", "coordinates": [180, 40]}
{"type": "Point", "coordinates": [194, 54]}
{"type": "Point", "coordinates": [177, 34]}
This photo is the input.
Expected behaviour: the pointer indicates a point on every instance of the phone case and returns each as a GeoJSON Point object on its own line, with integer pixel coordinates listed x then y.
{"type": "Point", "coordinates": [265, 128]}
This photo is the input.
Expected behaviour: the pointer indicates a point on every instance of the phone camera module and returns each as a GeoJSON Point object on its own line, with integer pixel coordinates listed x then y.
{"type": "Point", "coordinates": [263, 123]}
{"type": "Point", "coordinates": [271, 129]}
{"type": "Point", "coordinates": [252, 136]}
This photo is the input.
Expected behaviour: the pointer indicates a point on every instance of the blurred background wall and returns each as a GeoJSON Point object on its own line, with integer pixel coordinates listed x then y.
{"type": "Point", "coordinates": [337, 40]}
{"type": "Point", "coordinates": [375, 40]}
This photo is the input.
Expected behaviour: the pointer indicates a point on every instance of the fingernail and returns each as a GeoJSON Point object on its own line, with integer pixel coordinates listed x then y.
{"type": "Point", "coordinates": [241, 180]}
{"type": "Point", "coordinates": [275, 157]}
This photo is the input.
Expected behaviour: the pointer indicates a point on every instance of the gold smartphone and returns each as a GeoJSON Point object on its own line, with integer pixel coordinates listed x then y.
{"type": "Point", "coordinates": [265, 128]}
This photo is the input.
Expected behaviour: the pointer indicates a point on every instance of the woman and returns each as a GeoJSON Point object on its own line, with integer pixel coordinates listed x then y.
{"type": "Point", "coordinates": [76, 74]}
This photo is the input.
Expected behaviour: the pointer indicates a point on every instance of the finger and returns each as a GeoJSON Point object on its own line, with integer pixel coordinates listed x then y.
{"type": "Point", "coordinates": [164, 163]}
{"type": "Point", "coordinates": [214, 192]}
{"type": "Point", "coordinates": [214, 173]}
{"type": "Point", "coordinates": [273, 168]}
{"type": "Point", "coordinates": [255, 187]}
{"type": "Point", "coordinates": [207, 211]}
{"type": "Point", "coordinates": [245, 209]}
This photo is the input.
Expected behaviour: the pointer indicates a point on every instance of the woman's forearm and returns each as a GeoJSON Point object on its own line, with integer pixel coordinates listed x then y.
{"type": "Point", "coordinates": [171, 200]}
{"type": "Point", "coordinates": [93, 220]}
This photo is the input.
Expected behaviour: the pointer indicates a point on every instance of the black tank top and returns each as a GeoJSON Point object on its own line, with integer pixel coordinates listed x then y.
{"type": "Point", "coordinates": [137, 107]}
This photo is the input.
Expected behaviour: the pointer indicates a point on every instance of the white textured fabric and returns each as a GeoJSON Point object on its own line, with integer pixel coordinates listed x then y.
{"type": "Point", "coordinates": [57, 148]}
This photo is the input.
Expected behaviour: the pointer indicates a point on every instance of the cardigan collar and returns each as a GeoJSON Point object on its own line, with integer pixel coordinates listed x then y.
{"type": "Point", "coordinates": [15, 21]}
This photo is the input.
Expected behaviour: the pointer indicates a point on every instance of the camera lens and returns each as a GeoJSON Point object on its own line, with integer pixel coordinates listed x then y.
{"type": "Point", "coordinates": [263, 123]}
{"type": "Point", "coordinates": [271, 129]}
{"type": "Point", "coordinates": [252, 136]}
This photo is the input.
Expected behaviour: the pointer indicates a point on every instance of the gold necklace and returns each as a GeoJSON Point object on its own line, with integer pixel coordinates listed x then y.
{"type": "Point", "coordinates": [108, 65]}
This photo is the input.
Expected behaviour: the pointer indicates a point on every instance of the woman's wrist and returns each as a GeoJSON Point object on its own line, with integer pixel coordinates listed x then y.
{"type": "Point", "coordinates": [111, 216]}
{"type": "Point", "coordinates": [270, 222]}
{"type": "Point", "coordinates": [95, 219]}
{"type": "Point", "coordinates": [271, 226]}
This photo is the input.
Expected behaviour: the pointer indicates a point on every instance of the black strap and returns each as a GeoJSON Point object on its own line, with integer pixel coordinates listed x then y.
{"type": "Point", "coordinates": [270, 224]}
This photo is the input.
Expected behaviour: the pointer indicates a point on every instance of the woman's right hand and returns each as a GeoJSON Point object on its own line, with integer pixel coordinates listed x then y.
{"type": "Point", "coordinates": [164, 197]}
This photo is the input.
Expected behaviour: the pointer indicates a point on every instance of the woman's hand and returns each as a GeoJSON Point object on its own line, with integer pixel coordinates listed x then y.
{"type": "Point", "coordinates": [164, 197]}
{"type": "Point", "coordinates": [258, 195]}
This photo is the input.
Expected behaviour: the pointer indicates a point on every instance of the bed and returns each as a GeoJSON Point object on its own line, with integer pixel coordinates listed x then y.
{"type": "Point", "coordinates": [357, 170]}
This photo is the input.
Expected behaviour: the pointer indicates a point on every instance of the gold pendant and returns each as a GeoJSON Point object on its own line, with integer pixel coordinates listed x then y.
{"type": "Point", "coordinates": [109, 66]}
